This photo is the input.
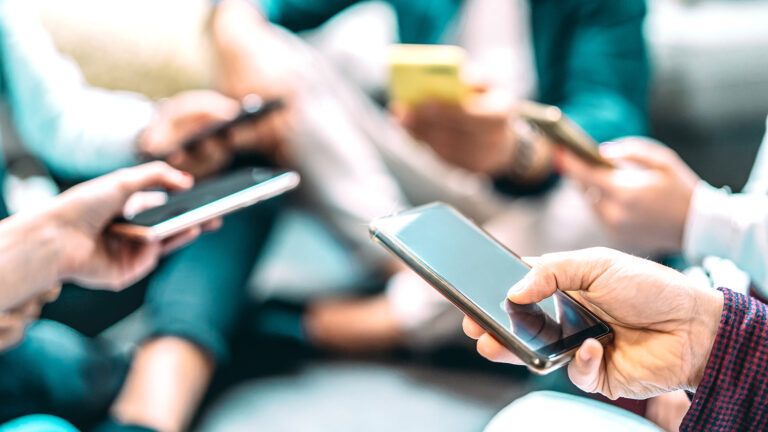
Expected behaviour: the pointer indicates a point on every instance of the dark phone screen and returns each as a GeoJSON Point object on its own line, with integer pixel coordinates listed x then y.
{"type": "Point", "coordinates": [203, 193]}
{"type": "Point", "coordinates": [483, 271]}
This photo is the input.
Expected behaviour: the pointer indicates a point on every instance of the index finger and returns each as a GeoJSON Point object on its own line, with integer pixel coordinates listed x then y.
{"type": "Point", "coordinates": [151, 175]}
{"type": "Point", "coordinates": [564, 271]}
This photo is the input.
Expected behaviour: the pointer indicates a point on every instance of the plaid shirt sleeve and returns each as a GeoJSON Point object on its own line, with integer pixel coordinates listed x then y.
{"type": "Point", "coordinates": [733, 395]}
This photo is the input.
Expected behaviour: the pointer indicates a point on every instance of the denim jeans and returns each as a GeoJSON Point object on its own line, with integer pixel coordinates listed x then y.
{"type": "Point", "coordinates": [62, 368]}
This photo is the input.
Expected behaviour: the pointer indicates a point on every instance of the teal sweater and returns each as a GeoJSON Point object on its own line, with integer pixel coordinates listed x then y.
{"type": "Point", "coordinates": [591, 57]}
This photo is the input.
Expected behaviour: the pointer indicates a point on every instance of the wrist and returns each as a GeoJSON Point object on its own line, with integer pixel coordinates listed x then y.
{"type": "Point", "coordinates": [531, 157]}
{"type": "Point", "coordinates": [43, 247]}
{"type": "Point", "coordinates": [705, 324]}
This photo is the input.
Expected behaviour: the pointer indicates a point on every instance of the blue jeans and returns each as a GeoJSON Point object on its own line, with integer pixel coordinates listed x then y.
{"type": "Point", "coordinates": [63, 369]}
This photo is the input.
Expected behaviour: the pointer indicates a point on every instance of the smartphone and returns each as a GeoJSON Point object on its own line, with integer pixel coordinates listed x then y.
{"type": "Point", "coordinates": [207, 200]}
{"type": "Point", "coordinates": [474, 271]}
{"type": "Point", "coordinates": [253, 108]}
{"type": "Point", "coordinates": [550, 121]}
{"type": "Point", "coordinates": [424, 73]}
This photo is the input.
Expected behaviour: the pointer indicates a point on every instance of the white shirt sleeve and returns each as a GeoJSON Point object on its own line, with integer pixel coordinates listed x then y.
{"type": "Point", "coordinates": [77, 130]}
{"type": "Point", "coordinates": [730, 226]}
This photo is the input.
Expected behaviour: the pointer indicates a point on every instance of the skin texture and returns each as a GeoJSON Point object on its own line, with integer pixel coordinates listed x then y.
{"type": "Point", "coordinates": [251, 60]}
{"type": "Point", "coordinates": [167, 380]}
{"type": "Point", "coordinates": [69, 241]}
{"type": "Point", "coordinates": [664, 326]}
{"type": "Point", "coordinates": [180, 117]}
{"type": "Point", "coordinates": [644, 203]}
{"type": "Point", "coordinates": [476, 135]}
{"type": "Point", "coordinates": [188, 113]}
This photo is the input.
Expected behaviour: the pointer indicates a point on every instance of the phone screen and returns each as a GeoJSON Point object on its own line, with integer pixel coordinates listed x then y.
{"type": "Point", "coordinates": [483, 270]}
{"type": "Point", "coordinates": [202, 194]}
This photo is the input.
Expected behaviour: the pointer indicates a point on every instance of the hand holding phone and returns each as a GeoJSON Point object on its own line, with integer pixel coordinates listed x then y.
{"type": "Point", "coordinates": [550, 121]}
{"type": "Point", "coordinates": [474, 272]}
{"type": "Point", "coordinates": [208, 200]}
{"type": "Point", "coordinates": [664, 323]}
{"type": "Point", "coordinates": [198, 131]}
{"type": "Point", "coordinates": [253, 109]}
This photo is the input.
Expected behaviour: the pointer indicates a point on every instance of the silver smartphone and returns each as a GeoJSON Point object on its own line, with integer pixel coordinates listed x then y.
{"type": "Point", "coordinates": [207, 200]}
{"type": "Point", "coordinates": [474, 271]}
{"type": "Point", "coordinates": [555, 125]}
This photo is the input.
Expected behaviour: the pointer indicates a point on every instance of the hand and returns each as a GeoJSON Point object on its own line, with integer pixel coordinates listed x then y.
{"type": "Point", "coordinates": [14, 322]}
{"type": "Point", "coordinates": [664, 325]}
{"type": "Point", "coordinates": [92, 255]}
{"type": "Point", "coordinates": [645, 202]}
{"type": "Point", "coordinates": [475, 136]}
{"type": "Point", "coordinates": [182, 116]}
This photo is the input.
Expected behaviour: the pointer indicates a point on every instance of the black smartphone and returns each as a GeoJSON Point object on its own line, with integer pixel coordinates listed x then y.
{"type": "Point", "coordinates": [474, 271]}
{"type": "Point", "coordinates": [207, 200]}
{"type": "Point", "coordinates": [253, 108]}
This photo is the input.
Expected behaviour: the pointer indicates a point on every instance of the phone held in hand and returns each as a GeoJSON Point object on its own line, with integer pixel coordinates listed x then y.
{"type": "Point", "coordinates": [254, 109]}
{"type": "Point", "coordinates": [474, 271]}
{"type": "Point", "coordinates": [555, 125]}
{"type": "Point", "coordinates": [209, 199]}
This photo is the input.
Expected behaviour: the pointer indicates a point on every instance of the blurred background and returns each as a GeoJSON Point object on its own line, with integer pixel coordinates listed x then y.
{"type": "Point", "coordinates": [709, 102]}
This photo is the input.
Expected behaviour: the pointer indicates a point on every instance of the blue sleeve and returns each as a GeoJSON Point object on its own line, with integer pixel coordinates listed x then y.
{"type": "Point", "coordinates": [300, 15]}
{"type": "Point", "coordinates": [607, 72]}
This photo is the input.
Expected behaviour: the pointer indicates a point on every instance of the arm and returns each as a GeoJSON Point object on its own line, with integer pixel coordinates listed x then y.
{"type": "Point", "coordinates": [69, 240]}
{"type": "Point", "coordinates": [607, 70]}
{"type": "Point", "coordinates": [79, 131]}
{"type": "Point", "coordinates": [731, 226]}
{"type": "Point", "coordinates": [733, 391]}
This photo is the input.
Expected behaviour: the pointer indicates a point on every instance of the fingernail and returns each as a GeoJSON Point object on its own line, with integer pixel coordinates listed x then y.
{"type": "Point", "coordinates": [516, 288]}
{"type": "Point", "coordinates": [519, 286]}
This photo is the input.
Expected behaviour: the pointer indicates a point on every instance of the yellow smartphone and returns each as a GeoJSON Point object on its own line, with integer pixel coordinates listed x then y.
{"type": "Point", "coordinates": [555, 125]}
{"type": "Point", "coordinates": [424, 73]}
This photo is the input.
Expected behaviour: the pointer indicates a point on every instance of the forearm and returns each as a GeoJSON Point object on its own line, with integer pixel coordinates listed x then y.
{"type": "Point", "coordinates": [245, 46]}
{"type": "Point", "coordinates": [79, 131]}
{"type": "Point", "coordinates": [32, 251]}
{"type": "Point", "coordinates": [733, 392]}
{"type": "Point", "coordinates": [730, 226]}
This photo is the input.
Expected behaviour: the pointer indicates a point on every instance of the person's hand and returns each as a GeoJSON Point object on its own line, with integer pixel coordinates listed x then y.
{"type": "Point", "coordinates": [181, 117]}
{"type": "Point", "coordinates": [14, 322]}
{"type": "Point", "coordinates": [97, 258]}
{"type": "Point", "coordinates": [475, 136]}
{"type": "Point", "coordinates": [664, 325]}
{"type": "Point", "coordinates": [644, 203]}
